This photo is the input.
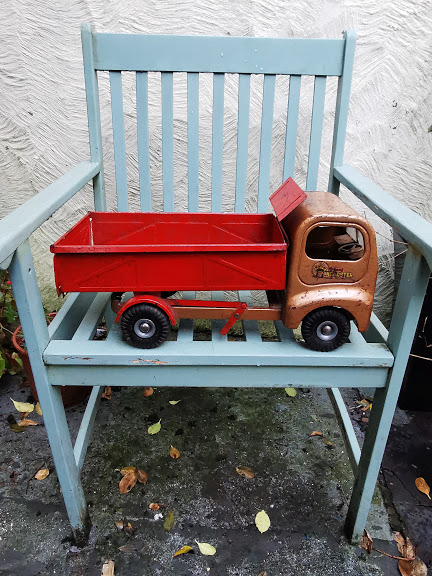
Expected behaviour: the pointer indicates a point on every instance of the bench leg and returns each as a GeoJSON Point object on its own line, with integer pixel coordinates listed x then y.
{"type": "Point", "coordinates": [409, 301]}
{"type": "Point", "coordinates": [30, 309]}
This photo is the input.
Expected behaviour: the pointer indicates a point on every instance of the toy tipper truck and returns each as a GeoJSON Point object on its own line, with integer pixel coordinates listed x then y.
{"type": "Point", "coordinates": [316, 260]}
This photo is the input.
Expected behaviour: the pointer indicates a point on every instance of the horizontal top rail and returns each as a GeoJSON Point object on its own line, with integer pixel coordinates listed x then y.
{"type": "Point", "coordinates": [237, 55]}
{"type": "Point", "coordinates": [17, 226]}
{"type": "Point", "coordinates": [415, 229]}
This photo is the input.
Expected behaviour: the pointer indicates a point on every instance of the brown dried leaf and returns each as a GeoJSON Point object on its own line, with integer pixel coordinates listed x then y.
{"type": "Point", "coordinates": [413, 568]}
{"type": "Point", "coordinates": [127, 482]}
{"type": "Point", "coordinates": [245, 471]}
{"type": "Point", "coordinates": [27, 422]}
{"type": "Point", "coordinates": [148, 391]}
{"type": "Point", "coordinates": [423, 486]}
{"type": "Point", "coordinates": [366, 541]}
{"type": "Point", "coordinates": [400, 541]}
{"type": "Point", "coordinates": [128, 548]}
{"type": "Point", "coordinates": [328, 442]}
{"type": "Point", "coordinates": [24, 415]}
{"type": "Point", "coordinates": [183, 550]}
{"type": "Point", "coordinates": [316, 433]}
{"type": "Point", "coordinates": [174, 453]}
{"type": "Point", "coordinates": [262, 573]}
{"type": "Point", "coordinates": [362, 402]}
{"type": "Point", "coordinates": [107, 393]}
{"type": "Point", "coordinates": [169, 521]}
{"type": "Point", "coordinates": [108, 568]}
{"type": "Point", "coordinates": [141, 476]}
{"type": "Point", "coordinates": [405, 547]}
{"type": "Point", "coordinates": [128, 470]}
{"type": "Point", "coordinates": [42, 474]}
{"type": "Point", "coordinates": [154, 506]}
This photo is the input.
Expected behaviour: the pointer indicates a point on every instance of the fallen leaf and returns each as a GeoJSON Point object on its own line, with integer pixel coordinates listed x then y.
{"type": "Point", "coordinates": [108, 568]}
{"type": "Point", "coordinates": [127, 482]}
{"type": "Point", "coordinates": [206, 549]}
{"type": "Point", "coordinates": [362, 402]}
{"type": "Point", "coordinates": [183, 550]}
{"type": "Point", "coordinates": [24, 415]}
{"type": "Point", "coordinates": [26, 422]}
{"type": "Point", "coordinates": [107, 393]}
{"type": "Point", "coordinates": [148, 391]}
{"type": "Point", "coordinates": [141, 476]}
{"type": "Point", "coordinates": [366, 541]}
{"type": "Point", "coordinates": [127, 470]}
{"type": "Point", "coordinates": [174, 453]}
{"type": "Point", "coordinates": [173, 403]}
{"type": "Point", "coordinates": [169, 521]}
{"type": "Point", "coordinates": [366, 420]}
{"type": "Point", "coordinates": [125, 526]}
{"type": "Point", "coordinates": [38, 409]}
{"type": "Point", "coordinates": [23, 406]}
{"type": "Point", "coordinates": [365, 408]}
{"type": "Point", "coordinates": [327, 442]}
{"type": "Point", "coordinates": [400, 540]}
{"type": "Point", "coordinates": [413, 568]}
{"type": "Point", "coordinates": [316, 433]}
{"type": "Point", "coordinates": [423, 486]}
{"type": "Point", "coordinates": [292, 392]}
{"type": "Point", "coordinates": [245, 471]}
{"type": "Point", "coordinates": [128, 548]}
{"type": "Point", "coordinates": [262, 573]}
{"type": "Point", "coordinates": [262, 521]}
{"type": "Point", "coordinates": [155, 428]}
{"type": "Point", "coordinates": [42, 474]}
{"type": "Point", "coordinates": [405, 547]}
{"type": "Point", "coordinates": [154, 506]}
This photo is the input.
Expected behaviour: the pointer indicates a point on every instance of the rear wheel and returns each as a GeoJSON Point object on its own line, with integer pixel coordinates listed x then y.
{"type": "Point", "coordinates": [325, 329]}
{"type": "Point", "coordinates": [145, 326]}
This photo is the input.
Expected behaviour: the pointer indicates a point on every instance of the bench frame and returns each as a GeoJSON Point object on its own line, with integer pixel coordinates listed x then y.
{"type": "Point", "coordinates": [64, 352]}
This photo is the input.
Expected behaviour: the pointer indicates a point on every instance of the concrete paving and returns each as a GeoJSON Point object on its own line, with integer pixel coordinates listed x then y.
{"type": "Point", "coordinates": [301, 482]}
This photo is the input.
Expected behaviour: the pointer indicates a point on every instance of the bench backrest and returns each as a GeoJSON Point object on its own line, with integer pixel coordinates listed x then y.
{"type": "Point", "coordinates": [219, 56]}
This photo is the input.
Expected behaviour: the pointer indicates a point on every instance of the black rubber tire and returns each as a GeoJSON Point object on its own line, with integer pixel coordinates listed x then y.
{"type": "Point", "coordinates": [153, 317]}
{"type": "Point", "coordinates": [314, 324]}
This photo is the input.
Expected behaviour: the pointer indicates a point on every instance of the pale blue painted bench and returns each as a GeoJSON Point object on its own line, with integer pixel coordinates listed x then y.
{"type": "Point", "coordinates": [65, 353]}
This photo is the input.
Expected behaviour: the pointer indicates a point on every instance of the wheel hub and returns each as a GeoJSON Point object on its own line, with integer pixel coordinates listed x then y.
{"type": "Point", "coordinates": [327, 330]}
{"type": "Point", "coordinates": [144, 328]}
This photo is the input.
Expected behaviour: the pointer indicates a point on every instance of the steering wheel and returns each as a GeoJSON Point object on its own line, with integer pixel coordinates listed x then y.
{"type": "Point", "coordinates": [350, 248]}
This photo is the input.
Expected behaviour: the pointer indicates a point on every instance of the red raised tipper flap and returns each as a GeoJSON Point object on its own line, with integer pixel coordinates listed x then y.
{"type": "Point", "coordinates": [286, 198]}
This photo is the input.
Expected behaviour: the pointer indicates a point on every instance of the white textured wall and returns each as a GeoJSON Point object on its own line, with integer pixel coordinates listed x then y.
{"type": "Point", "coordinates": [43, 127]}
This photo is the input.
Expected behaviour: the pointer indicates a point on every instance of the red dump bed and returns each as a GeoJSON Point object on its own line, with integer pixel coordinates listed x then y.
{"type": "Point", "coordinates": [140, 252]}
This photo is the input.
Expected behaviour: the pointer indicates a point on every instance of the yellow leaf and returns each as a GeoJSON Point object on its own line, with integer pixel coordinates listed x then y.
{"type": "Point", "coordinates": [262, 521]}
{"type": "Point", "coordinates": [154, 428]}
{"type": "Point", "coordinates": [327, 442]}
{"type": "Point", "coordinates": [206, 549]}
{"type": "Point", "coordinates": [316, 433]}
{"type": "Point", "coordinates": [23, 406]}
{"type": "Point", "coordinates": [292, 392]}
{"type": "Point", "coordinates": [128, 470]}
{"type": "Point", "coordinates": [27, 422]}
{"type": "Point", "coordinates": [174, 453]}
{"type": "Point", "coordinates": [42, 474]}
{"type": "Point", "coordinates": [183, 550]}
{"type": "Point", "coordinates": [245, 471]}
{"type": "Point", "coordinates": [423, 486]}
{"type": "Point", "coordinates": [169, 521]}
{"type": "Point", "coordinates": [173, 403]}
{"type": "Point", "coordinates": [108, 568]}
{"type": "Point", "coordinates": [148, 391]}
{"type": "Point", "coordinates": [38, 409]}
{"type": "Point", "coordinates": [107, 393]}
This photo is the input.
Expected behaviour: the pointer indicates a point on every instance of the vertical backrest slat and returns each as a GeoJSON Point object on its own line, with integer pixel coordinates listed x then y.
{"type": "Point", "coordinates": [167, 141]}
{"type": "Point", "coordinates": [143, 140]}
{"type": "Point", "coordinates": [119, 140]}
{"type": "Point", "coordinates": [341, 113]}
{"type": "Point", "coordinates": [93, 115]}
{"type": "Point", "coordinates": [193, 140]}
{"type": "Point", "coordinates": [266, 142]}
{"type": "Point", "coordinates": [316, 132]}
{"type": "Point", "coordinates": [242, 142]}
{"type": "Point", "coordinates": [291, 126]}
{"type": "Point", "coordinates": [217, 141]}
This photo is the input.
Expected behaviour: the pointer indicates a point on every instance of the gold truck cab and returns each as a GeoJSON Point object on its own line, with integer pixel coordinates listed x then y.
{"type": "Point", "coordinates": [332, 270]}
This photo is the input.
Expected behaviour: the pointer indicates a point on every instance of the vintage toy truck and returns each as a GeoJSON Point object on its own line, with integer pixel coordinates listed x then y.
{"type": "Point", "coordinates": [317, 262]}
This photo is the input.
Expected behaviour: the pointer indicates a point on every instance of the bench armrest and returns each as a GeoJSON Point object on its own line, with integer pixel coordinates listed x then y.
{"type": "Point", "coordinates": [415, 229]}
{"type": "Point", "coordinates": [17, 226]}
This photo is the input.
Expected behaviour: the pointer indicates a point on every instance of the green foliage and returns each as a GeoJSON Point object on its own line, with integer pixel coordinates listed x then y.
{"type": "Point", "coordinates": [9, 360]}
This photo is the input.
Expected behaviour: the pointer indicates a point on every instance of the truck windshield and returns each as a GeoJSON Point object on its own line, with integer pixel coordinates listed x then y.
{"type": "Point", "coordinates": [335, 243]}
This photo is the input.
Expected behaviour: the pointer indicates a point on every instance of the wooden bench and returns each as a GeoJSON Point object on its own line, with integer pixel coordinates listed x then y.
{"type": "Point", "coordinates": [65, 352]}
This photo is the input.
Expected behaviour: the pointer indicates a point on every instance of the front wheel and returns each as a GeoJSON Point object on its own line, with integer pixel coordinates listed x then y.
{"type": "Point", "coordinates": [145, 326]}
{"type": "Point", "coordinates": [325, 329]}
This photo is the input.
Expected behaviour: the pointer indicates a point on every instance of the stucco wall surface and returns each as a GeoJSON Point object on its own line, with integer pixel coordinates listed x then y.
{"type": "Point", "coordinates": [43, 125]}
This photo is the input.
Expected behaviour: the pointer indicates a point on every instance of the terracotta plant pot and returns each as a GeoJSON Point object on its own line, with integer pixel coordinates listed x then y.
{"type": "Point", "coordinates": [71, 395]}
